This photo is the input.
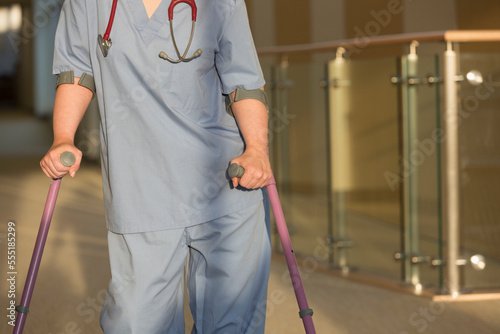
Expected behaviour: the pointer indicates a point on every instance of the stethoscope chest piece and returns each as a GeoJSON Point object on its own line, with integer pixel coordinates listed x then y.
{"type": "Point", "coordinates": [104, 45]}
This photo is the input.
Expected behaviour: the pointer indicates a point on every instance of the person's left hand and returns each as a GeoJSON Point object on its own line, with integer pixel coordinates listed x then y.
{"type": "Point", "coordinates": [257, 169]}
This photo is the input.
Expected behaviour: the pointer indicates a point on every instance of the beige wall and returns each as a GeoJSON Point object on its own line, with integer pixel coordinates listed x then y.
{"type": "Point", "coordinates": [484, 14]}
{"type": "Point", "coordinates": [328, 20]}
{"type": "Point", "coordinates": [429, 15]}
{"type": "Point", "coordinates": [292, 22]}
{"type": "Point", "coordinates": [364, 19]}
{"type": "Point", "coordinates": [261, 14]}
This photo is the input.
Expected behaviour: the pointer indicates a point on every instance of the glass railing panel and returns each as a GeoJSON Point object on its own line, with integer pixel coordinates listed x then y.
{"type": "Point", "coordinates": [297, 144]}
{"type": "Point", "coordinates": [420, 168]}
{"type": "Point", "coordinates": [364, 149]}
{"type": "Point", "coordinates": [363, 135]}
{"type": "Point", "coordinates": [479, 114]}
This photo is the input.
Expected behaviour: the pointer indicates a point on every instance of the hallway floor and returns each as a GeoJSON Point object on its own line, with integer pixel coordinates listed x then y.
{"type": "Point", "coordinates": [74, 273]}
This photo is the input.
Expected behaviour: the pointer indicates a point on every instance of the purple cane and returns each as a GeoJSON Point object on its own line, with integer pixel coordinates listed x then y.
{"type": "Point", "coordinates": [304, 311]}
{"type": "Point", "coordinates": [67, 159]}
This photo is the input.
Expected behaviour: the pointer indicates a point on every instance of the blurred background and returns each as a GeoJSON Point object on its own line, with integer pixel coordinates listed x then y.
{"type": "Point", "coordinates": [378, 186]}
{"type": "Point", "coordinates": [359, 140]}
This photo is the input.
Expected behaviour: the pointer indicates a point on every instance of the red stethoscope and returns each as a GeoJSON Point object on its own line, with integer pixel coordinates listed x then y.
{"type": "Point", "coordinates": [105, 41]}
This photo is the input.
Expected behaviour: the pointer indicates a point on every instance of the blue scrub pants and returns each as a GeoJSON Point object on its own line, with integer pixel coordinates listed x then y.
{"type": "Point", "coordinates": [226, 273]}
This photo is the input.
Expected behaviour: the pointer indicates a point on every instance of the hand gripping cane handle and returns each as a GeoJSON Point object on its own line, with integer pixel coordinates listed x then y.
{"type": "Point", "coordinates": [67, 159]}
{"type": "Point", "coordinates": [235, 170]}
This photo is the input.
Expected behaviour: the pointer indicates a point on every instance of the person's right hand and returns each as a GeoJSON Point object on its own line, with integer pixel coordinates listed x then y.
{"type": "Point", "coordinates": [51, 162]}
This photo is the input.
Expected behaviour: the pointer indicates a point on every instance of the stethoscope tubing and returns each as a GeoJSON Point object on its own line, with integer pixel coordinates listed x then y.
{"type": "Point", "coordinates": [173, 3]}
{"type": "Point", "coordinates": [111, 19]}
{"type": "Point", "coordinates": [175, 44]}
{"type": "Point", "coordinates": [105, 41]}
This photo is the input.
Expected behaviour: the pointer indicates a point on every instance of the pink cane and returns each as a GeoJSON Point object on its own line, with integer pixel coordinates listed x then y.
{"type": "Point", "coordinates": [304, 311]}
{"type": "Point", "coordinates": [67, 159]}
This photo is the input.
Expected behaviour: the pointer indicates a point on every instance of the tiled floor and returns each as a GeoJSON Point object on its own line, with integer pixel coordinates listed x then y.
{"type": "Point", "coordinates": [74, 273]}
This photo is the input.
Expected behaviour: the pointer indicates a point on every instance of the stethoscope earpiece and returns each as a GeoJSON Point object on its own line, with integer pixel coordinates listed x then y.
{"type": "Point", "coordinates": [163, 55]}
{"type": "Point", "coordinates": [105, 42]}
{"type": "Point", "coordinates": [196, 54]}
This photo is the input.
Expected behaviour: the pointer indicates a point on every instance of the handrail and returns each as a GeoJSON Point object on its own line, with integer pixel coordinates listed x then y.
{"type": "Point", "coordinates": [362, 42]}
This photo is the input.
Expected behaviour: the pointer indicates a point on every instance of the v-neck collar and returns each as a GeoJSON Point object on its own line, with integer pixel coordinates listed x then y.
{"type": "Point", "coordinates": [149, 27]}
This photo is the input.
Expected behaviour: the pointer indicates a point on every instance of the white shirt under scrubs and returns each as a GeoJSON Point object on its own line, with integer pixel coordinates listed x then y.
{"type": "Point", "coordinates": [166, 137]}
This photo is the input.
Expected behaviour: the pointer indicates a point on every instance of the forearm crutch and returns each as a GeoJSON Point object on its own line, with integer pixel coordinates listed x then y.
{"type": "Point", "coordinates": [305, 312]}
{"type": "Point", "coordinates": [67, 159]}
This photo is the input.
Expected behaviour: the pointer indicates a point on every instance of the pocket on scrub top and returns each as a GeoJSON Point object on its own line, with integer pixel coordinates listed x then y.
{"type": "Point", "coordinates": [191, 83]}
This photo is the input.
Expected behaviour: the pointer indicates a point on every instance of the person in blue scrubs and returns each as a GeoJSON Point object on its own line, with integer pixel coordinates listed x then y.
{"type": "Point", "coordinates": [167, 140]}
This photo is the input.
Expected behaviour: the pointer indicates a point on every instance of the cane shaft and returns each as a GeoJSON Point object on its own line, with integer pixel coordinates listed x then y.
{"type": "Point", "coordinates": [291, 262]}
{"type": "Point", "coordinates": [67, 159]}
{"type": "Point", "coordinates": [304, 311]}
{"type": "Point", "coordinates": [37, 253]}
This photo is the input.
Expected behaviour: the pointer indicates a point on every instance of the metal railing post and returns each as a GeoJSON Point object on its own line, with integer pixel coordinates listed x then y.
{"type": "Point", "coordinates": [452, 186]}
{"type": "Point", "coordinates": [339, 152]}
{"type": "Point", "coordinates": [410, 133]}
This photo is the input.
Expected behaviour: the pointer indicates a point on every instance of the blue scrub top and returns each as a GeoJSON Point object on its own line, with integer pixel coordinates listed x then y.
{"type": "Point", "coordinates": [165, 135]}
